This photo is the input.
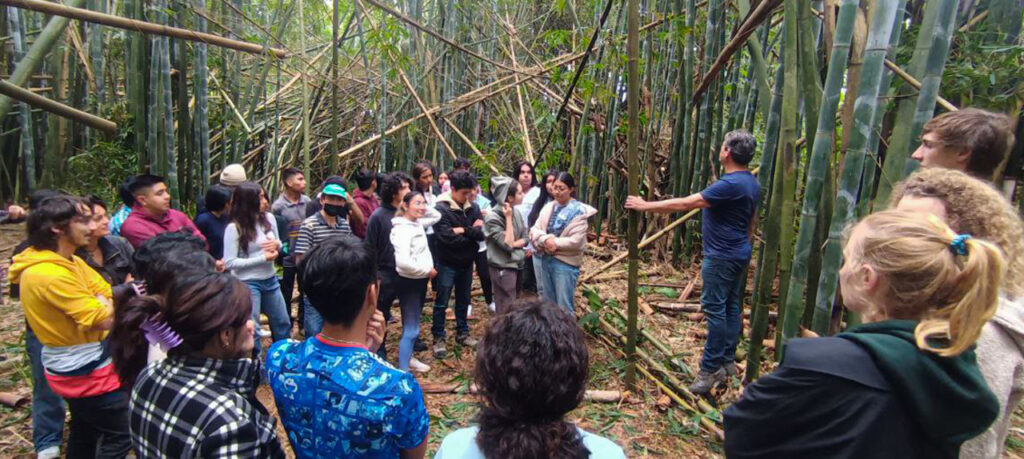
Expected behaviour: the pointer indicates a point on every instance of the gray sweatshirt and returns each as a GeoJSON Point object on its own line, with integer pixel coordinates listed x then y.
{"type": "Point", "coordinates": [251, 265]}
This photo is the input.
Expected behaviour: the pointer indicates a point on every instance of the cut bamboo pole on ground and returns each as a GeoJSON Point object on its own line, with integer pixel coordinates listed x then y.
{"type": "Point", "coordinates": [142, 26]}
{"type": "Point", "coordinates": [57, 108]}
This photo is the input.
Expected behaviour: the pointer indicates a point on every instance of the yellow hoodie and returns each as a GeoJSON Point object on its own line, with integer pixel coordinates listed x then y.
{"type": "Point", "coordinates": [59, 297]}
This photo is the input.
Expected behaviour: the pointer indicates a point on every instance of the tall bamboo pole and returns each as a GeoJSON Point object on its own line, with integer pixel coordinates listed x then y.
{"type": "Point", "coordinates": [787, 149]}
{"type": "Point", "coordinates": [817, 167]}
{"type": "Point", "coordinates": [305, 91]}
{"type": "Point", "coordinates": [633, 100]}
{"type": "Point", "coordinates": [935, 63]}
{"type": "Point", "coordinates": [875, 49]}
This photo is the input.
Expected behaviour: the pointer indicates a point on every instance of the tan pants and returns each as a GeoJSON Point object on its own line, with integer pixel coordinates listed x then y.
{"type": "Point", "coordinates": [506, 283]}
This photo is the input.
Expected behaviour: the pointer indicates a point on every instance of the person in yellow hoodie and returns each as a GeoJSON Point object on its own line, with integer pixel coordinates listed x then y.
{"type": "Point", "coordinates": [68, 306]}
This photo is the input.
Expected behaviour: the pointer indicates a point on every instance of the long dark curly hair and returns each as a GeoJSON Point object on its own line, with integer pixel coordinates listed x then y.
{"type": "Point", "coordinates": [531, 369]}
{"type": "Point", "coordinates": [246, 214]}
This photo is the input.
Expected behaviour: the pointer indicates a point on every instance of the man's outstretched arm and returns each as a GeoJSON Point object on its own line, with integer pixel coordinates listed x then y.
{"type": "Point", "coordinates": [693, 201]}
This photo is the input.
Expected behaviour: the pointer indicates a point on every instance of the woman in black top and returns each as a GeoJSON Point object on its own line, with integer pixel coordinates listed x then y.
{"type": "Point", "coordinates": [905, 383]}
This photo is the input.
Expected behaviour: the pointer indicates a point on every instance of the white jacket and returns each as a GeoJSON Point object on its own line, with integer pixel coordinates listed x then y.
{"type": "Point", "coordinates": [412, 255]}
{"type": "Point", "coordinates": [1001, 358]}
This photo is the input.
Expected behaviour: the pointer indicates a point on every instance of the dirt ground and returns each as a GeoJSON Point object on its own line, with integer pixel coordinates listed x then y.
{"type": "Point", "coordinates": [646, 423]}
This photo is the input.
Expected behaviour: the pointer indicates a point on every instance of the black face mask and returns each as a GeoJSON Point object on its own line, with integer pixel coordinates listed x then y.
{"type": "Point", "coordinates": [335, 210]}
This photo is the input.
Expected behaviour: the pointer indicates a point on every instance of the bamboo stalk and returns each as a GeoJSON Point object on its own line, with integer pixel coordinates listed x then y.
{"type": "Point", "coordinates": [141, 26]}
{"type": "Point", "coordinates": [472, 147]}
{"type": "Point", "coordinates": [57, 108]}
{"type": "Point", "coordinates": [426, 113]}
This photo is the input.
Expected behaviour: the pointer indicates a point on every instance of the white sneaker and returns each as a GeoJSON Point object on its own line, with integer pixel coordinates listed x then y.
{"type": "Point", "coordinates": [418, 367]}
{"type": "Point", "coordinates": [264, 333]}
{"type": "Point", "coordinates": [492, 307]}
{"type": "Point", "coordinates": [52, 452]}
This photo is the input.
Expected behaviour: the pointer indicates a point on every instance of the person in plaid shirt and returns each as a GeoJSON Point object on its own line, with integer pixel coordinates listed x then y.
{"type": "Point", "coordinates": [201, 400]}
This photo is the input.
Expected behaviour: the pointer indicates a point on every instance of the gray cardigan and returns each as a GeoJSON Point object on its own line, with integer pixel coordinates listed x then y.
{"type": "Point", "coordinates": [499, 254]}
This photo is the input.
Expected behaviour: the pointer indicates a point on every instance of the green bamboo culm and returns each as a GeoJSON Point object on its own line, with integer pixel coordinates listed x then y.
{"type": "Point", "coordinates": [876, 48]}
{"type": "Point", "coordinates": [935, 63]}
{"type": "Point", "coordinates": [28, 150]}
{"type": "Point", "coordinates": [817, 166]}
{"type": "Point", "coordinates": [901, 143]}
{"type": "Point", "coordinates": [787, 149]}
{"type": "Point", "coordinates": [201, 119]}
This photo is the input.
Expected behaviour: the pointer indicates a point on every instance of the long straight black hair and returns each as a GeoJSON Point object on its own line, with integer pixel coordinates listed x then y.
{"type": "Point", "coordinates": [544, 196]}
{"type": "Point", "coordinates": [246, 214]}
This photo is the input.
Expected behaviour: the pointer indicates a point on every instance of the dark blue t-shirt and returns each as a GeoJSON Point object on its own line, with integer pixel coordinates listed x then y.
{"type": "Point", "coordinates": [212, 228]}
{"type": "Point", "coordinates": [726, 224]}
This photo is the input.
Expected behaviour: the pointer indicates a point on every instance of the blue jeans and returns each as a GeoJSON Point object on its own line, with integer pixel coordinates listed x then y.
{"type": "Point", "coordinates": [557, 281]}
{"type": "Point", "coordinates": [538, 270]}
{"type": "Point", "coordinates": [47, 407]}
{"type": "Point", "coordinates": [720, 299]}
{"type": "Point", "coordinates": [99, 426]}
{"type": "Point", "coordinates": [461, 279]}
{"type": "Point", "coordinates": [410, 300]}
{"type": "Point", "coordinates": [267, 298]}
{"type": "Point", "coordinates": [312, 321]}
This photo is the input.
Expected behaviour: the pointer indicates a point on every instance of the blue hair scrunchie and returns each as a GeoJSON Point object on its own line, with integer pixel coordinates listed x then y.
{"type": "Point", "coordinates": [959, 245]}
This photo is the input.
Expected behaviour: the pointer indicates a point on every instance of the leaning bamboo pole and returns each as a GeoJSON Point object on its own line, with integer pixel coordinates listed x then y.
{"type": "Point", "coordinates": [33, 59]}
{"type": "Point", "coordinates": [142, 26]}
{"type": "Point", "coordinates": [57, 108]}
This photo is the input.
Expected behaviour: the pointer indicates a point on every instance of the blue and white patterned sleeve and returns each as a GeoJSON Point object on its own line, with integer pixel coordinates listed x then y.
{"type": "Point", "coordinates": [412, 423]}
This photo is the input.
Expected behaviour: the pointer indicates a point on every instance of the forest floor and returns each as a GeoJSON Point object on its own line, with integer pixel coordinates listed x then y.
{"type": "Point", "coordinates": [645, 423]}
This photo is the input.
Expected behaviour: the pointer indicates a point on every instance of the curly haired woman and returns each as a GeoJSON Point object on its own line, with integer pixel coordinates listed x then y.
{"type": "Point", "coordinates": [973, 207]}
{"type": "Point", "coordinates": [531, 368]}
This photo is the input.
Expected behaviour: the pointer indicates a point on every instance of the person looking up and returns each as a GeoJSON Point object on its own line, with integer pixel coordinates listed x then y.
{"type": "Point", "coordinates": [68, 306]}
{"type": "Point", "coordinates": [560, 238]}
{"type": "Point", "coordinates": [531, 371]}
{"type": "Point", "coordinates": [251, 245]}
{"type": "Point", "coordinates": [201, 400]}
{"type": "Point", "coordinates": [971, 140]}
{"type": "Point", "coordinates": [375, 409]}
{"type": "Point", "coordinates": [905, 383]}
{"type": "Point", "coordinates": [458, 233]}
{"type": "Point", "coordinates": [152, 213]}
{"type": "Point", "coordinates": [729, 206]}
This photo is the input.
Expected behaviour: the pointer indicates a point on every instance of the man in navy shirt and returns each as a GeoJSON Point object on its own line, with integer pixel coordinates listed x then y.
{"type": "Point", "coordinates": [728, 206]}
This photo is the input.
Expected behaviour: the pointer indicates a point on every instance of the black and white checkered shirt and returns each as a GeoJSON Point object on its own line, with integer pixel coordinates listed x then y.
{"type": "Point", "coordinates": [197, 407]}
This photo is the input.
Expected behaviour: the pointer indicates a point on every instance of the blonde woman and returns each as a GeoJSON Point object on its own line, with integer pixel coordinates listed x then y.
{"type": "Point", "coordinates": [905, 383]}
{"type": "Point", "coordinates": [973, 207]}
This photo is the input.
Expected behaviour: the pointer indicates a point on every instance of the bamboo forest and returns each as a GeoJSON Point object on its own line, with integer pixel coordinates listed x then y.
{"type": "Point", "coordinates": [632, 98]}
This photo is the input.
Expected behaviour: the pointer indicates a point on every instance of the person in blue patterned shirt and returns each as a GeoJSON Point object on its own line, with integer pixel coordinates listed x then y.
{"type": "Point", "coordinates": [336, 398]}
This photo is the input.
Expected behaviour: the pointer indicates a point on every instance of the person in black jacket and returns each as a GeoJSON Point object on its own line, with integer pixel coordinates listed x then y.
{"type": "Point", "coordinates": [458, 238]}
{"type": "Point", "coordinates": [904, 384]}
{"type": "Point", "coordinates": [393, 187]}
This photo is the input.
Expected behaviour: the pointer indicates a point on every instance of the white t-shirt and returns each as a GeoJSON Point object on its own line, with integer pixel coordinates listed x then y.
{"type": "Point", "coordinates": [461, 444]}
{"type": "Point", "coordinates": [526, 206]}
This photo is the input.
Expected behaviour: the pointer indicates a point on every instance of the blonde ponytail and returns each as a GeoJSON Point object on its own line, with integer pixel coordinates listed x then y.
{"type": "Point", "coordinates": [961, 322]}
{"type": "Point", "coordinates": [949, 284]}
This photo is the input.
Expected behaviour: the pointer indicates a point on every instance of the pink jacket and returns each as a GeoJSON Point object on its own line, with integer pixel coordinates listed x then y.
{"type": "Point", "coordinates": [573, 240]}
{"type": "Point", "coordinates": [140, 226]}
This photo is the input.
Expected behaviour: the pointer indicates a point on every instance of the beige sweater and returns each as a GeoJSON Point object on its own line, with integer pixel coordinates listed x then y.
{"type": "Point", "coordinates": [573, 240]}
{"type": "Point", "coordinates": [1001, 358]}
